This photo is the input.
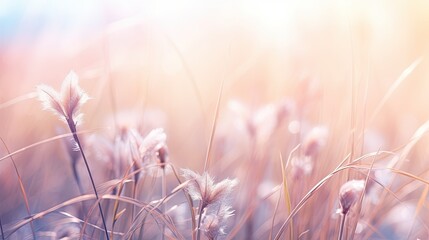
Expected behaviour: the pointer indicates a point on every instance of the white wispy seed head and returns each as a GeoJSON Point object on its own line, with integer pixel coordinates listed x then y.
{"type": "Point", "coordinates": [203, 188]}
{"type": "Point", "coordinates": [66, 103]}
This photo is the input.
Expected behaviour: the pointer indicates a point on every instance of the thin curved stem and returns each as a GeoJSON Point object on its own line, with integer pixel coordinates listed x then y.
{"type": "Point", "coordinates": [200, 214]}
{"type": "Point", "coordinates": [164, 194]}
{"type": "Point", "coordinates": [76, 138]}
{"type": "Point", "coordinates": [22, 188]}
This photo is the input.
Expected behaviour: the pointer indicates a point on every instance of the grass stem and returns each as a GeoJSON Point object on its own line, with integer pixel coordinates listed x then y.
{"type": "Point", "coordinates": [343, 221]}
{"type": "Point", "coordinates": [76, 138]}
{"type": "Point", "coordinates": [200, 214]}
{"type": "Point", "coordinates": [22, 188]}
{"type": "Point", "coordinates": [164, 194]}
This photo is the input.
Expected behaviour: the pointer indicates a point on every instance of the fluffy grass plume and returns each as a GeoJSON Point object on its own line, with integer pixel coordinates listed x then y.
{"type": "Point", "coordinates": [67, 102]}
{"type": "Point", "coordinates": [193, 112]}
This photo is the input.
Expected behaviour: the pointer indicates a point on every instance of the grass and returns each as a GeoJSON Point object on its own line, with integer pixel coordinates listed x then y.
{"type": "Point", "coordinates": [149, 213]}
{"type": "Point", "coordinates": [266, 170]}
{"type": "Point", "coordinates": [133, 212]}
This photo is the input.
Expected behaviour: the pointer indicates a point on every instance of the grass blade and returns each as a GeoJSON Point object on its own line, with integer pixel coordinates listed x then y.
{"type": "Point", "coordinates": [22, 188]}
{"type": "Point", "coordinates": [286, 192]}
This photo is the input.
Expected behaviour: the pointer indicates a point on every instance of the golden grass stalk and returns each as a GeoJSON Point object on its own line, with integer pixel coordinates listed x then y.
{"type": "Point", "coordinates": [419, 207]}
{"type": "Point", "coordinates": [309, 194]}
{"type": "Point", "coordinates": [286, 192]}
{"type": "Point", "coordinates": [213, 130]}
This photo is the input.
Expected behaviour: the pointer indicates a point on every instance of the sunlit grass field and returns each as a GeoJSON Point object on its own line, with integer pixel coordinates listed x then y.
{"type": "Point", "coordinates": [214, 120]}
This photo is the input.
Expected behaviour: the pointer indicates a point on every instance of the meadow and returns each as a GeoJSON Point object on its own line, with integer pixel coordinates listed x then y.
{"type": "Point", "coordinates": [202, 120]}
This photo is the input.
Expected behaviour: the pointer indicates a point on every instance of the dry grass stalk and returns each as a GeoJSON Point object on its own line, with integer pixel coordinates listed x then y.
{"type": "Point", "coordinates": [349, 194]}
{"type": "Point", "coordinates": [66, 104]}
{"type": "Point", "coordinates": [202, 188]}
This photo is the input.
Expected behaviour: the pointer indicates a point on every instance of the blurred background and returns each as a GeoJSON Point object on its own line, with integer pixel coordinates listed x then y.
{"type": "Point", "coordinates": [162, 64]}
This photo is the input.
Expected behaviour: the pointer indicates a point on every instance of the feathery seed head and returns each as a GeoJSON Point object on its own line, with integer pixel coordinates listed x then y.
{"type": "Point", "coordinates": [284, 109]}
{"type": "Point", "coordinates": [301, 167]}
{"type": "Point", "coordinates": [117, 152]}
{"type": "Point", "coordinates": [152, 143]}
{"type": "Point", "coordinates": [315, 140]}
{"type": "Point", "coordinates": [214, 223]}
{"type": "Point", "coordinates": [73, 97]}
{"type": "Point", "coordinates": [66, 103]}
{"type": "Point", "coordinates": [349, 194]}
{"type": "Point", "coordinates": [203, 188]}
{"type": "Point", "coordinates": [51, 100]}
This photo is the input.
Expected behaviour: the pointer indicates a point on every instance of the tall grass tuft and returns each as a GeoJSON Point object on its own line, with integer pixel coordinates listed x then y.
{"type": "Point", "coordinates": [66, 104]}
{"type": "Point", "coordinates": [203, 189]}
{"type": "Point", "coordinates": [326, 134]}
